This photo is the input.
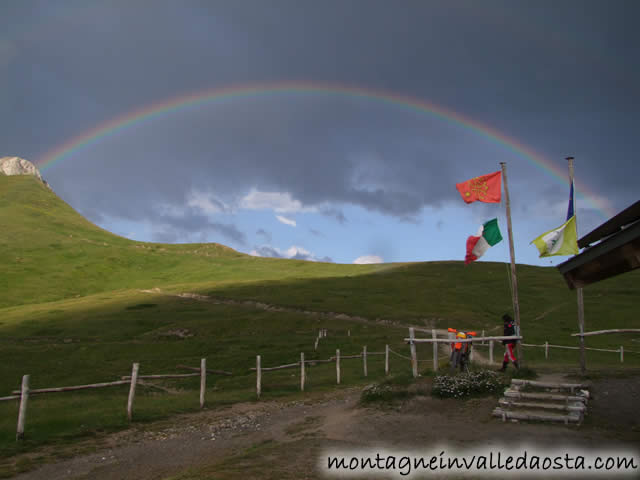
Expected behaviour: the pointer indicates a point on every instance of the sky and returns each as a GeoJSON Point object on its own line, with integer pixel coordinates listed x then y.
{"type": "Point", "coordinates": [325, 130]}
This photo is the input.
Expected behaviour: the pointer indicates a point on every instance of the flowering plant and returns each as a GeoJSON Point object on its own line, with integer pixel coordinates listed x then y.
{"type": "Point", "coordinates": [466, 384]}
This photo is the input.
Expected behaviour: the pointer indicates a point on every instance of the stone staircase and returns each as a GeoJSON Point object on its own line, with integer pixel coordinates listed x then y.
{"type": "Point", "coordinates": [543, 401]}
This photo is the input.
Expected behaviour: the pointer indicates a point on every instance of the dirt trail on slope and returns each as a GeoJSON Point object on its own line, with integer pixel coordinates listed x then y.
{"type": "Point", "coordinates": [278, 308]}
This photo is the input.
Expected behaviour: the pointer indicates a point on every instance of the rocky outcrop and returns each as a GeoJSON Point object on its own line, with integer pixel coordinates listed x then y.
{"type": "Point", "coordinates": [19, 166]}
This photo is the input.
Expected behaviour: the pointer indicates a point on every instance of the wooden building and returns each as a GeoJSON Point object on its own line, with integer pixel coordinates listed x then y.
{"type": "Point", "coordinates": [611, 249]}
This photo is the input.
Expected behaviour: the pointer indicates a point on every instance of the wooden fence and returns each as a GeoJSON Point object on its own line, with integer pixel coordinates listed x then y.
{"type": "Point", "coordinates": [131, 380]}
{"type": "Point", "coordinates": [135, 378]}
{"type": "Point", "coordinates": [302, 365]}
{"type": "Point", "coordinates": [489, 341]}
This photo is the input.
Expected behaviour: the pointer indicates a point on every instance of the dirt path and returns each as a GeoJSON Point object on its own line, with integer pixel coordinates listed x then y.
{"type": "Point", "coordinates": [276, 440]}
{"type": "Point", "coordinates": [278, 308]}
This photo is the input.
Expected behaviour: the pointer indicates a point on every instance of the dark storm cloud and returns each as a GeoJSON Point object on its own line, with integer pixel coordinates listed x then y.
{"type": "Point", "coordinates": [558, 78]}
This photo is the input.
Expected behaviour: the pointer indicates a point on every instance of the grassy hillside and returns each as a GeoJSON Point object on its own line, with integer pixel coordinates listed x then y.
{"type": "Point", "coordinates": [71, 312]}
{"type": "Point", "coordinates": [48, 252]}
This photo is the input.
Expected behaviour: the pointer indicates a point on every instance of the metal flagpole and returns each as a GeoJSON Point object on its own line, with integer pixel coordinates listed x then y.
{"type": "Point", "coordinates": [514, 280]}
{"type": "Point", "coordinates": [583, 359]}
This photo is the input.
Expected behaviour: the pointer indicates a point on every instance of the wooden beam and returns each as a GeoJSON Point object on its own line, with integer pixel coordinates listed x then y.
{"type": "Point", "coordinates": [602, 332]}
{"type": "Point", "coordinates": [74, 387]}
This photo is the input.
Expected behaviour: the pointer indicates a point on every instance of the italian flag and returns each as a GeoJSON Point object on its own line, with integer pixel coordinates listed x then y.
{"type": "Point", "coordinates": [488, 236]}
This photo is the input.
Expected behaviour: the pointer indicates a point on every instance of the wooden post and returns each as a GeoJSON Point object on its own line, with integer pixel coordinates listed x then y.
{"type": "Point", "coordinates": [203, 380]}
{"type": "Point", "coordinates": [364, 360]}
{"type": "Point", "coordinates": [315, 347]}
{"type": "Point", "coordinates": [491, 352]}
{"type": "Point", "coordinates": [580, 297]}
{"type": "Point", "coordinates": [386, 359]}
{"type": "Point", "coordinates": [132, 390]}
{"type": "Point", "coordinates": [414, 357]}
{"type": "Point", "coordinates": [483, 341]}
{"type": "Point", "coordinates": [22, 412]}
{"type": "Point", "coordinates": [338, 366]}
{"type": "Point", "coordinates": [302, 371]}
{"type": "Point", "coordinates": [546, 350]}
{"type": "Point", "coordinates": [514, 279]}
{"type": "Point", "coordinates": [621, 354]}
{"type": "Point", "coordinates": [435, 350]}
{"type": "Point", "coordinates": [471, 353]}
{"type": "Point", "coordinates": [258, 377]}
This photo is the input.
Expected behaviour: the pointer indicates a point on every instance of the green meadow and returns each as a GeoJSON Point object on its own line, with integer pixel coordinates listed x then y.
{"type": "Point", "coordinates": [72, 311]}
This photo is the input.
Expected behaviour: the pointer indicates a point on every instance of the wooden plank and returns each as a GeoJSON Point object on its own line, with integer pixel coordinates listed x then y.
{"type": "Point", "coordinates": [544, 396]}
{"type": "Point", "coordinates": [281, 367]}
{"type": "Point", "coordinates": [258, 376]}
{"type": "Point", "coordinates": [414, 356]}
{"type": "Point", "coordinates": [168, 375]}
{"type": "Point", "coordinates": [11, 397]}
{"type": "Point", "coordinates": [364, 360]}
{"type": "Point", "coordinates": [22, 412]}
{"type": "Point", "coordinates": [461, 340]}
{"type": "Point", "coordinates": [435, 350]}
{"type": "Point", "coordinates": [338, 366]}
{"type": "Point", "coordinates": [203, 380]}
{"type": "Point", "coordinates": [491, 352]}
{"type": "Point", "coordinates": [132, 390]}
{"type": "Point", "coordinates": [578, 407]}
{"type": "Point", "coordinates": [546, 417]}
{"type": "Point", "coordinates": [209, 370]}
{"type": "Point", "coordinates": [535, 383]}
{"type": "Point", "coordinates": [302, 371]}
{"type": "Point", "coordinates": [603, 332]}
{"type": "Point", "coordinates": [74, 387]}
{"type": "Point", "coordinates": [386, 359]}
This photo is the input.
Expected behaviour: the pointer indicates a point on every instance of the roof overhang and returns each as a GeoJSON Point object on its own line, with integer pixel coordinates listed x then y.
{"type": "Point", "coordinates": [616, 255]}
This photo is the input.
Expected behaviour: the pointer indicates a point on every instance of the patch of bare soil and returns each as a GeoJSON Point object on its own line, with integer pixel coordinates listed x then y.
{"type": "Point", "coordinates": [277, 440]}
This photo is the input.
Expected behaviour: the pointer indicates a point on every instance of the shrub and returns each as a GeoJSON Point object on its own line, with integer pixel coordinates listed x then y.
{"type": "Point", "coordinates": [466, 384]}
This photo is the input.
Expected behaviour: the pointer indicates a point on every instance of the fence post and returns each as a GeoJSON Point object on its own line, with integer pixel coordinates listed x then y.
{"type": "Point", "coordinates": [546, 350]}
{"type": "Point", "coordinates": [364, 360]}
{"type": "Point", "coordinates": [258, 377]}
{"type": "Point", "coordinates": [435, 350]}
{"type": "Point", "coordinates": [621, 354]}
{"type": "Point", "coordinates": [483, 341]}
{"type": "Point", "coordinates": [315, 347]}
{"type": "Point", "coordinates": [132, 390]}
{"type": "Point", "coordinates": [414, 357]}
{"type": "Point", "coordinates": [302, 371]}
{"type": "Point", "coordinates": [22, 413]}
{"type": "Point", "coordinates": [386, 359]}
{"type": "Point", "coordinates": [491, 352]}
{"type": "Point", "coordinates": [338, 366]}
{"type": "Point", "coordinates": [203, 380]}
{"type": "Point", "coordinates": [471, 353]}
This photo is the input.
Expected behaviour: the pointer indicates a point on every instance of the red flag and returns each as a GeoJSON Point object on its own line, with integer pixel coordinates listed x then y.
{"type": "Point", "coordinates": [487, 188]}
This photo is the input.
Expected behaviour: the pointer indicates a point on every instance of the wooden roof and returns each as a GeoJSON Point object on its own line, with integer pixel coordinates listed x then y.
{"type": "Point", "coordinates": [611, 249]}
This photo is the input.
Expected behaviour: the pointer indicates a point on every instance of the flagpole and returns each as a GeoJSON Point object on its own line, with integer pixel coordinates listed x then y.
{"type": "Point", "coordinates": [583, 360]}
{"type": "Point", "coordinates": [514, 280]}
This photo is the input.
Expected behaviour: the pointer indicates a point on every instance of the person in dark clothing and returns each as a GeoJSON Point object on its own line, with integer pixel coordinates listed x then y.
{"type": "Point", "coordinates": [509, 330]}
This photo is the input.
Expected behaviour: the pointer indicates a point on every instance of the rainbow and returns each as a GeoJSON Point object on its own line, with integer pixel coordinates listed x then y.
{"type": "Point", "coordinates": [148, 112]}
